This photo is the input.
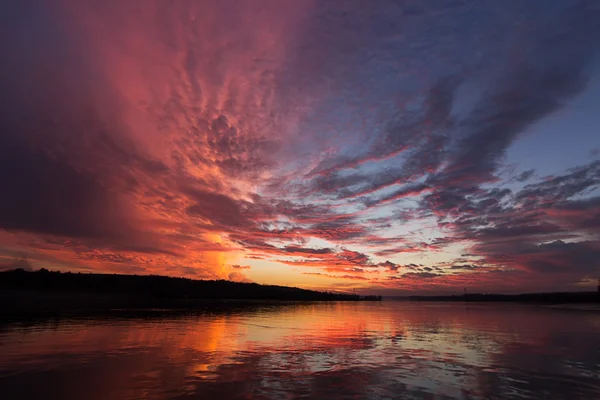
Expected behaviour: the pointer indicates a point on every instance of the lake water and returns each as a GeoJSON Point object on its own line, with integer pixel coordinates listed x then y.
{"type": "Point", "coordinates": [388, 350]}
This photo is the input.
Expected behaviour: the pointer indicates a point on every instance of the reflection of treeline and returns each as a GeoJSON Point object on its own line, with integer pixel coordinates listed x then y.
{"type": "Point", "coordinates": [159, 287]}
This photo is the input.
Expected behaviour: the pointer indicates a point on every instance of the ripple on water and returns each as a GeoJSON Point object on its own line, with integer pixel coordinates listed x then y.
{"type": "Point", "coordinates": [364, 351]}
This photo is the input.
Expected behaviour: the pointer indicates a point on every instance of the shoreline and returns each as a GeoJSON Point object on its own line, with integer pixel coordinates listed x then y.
{"type": "Point", "coordinates": [555, 298]}
{"type": "Point", "coordinates": [27, 291]}
{"type": "Point", "coordinates": [17, 304]}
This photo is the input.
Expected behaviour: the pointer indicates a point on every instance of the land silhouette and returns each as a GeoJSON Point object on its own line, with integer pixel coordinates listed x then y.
{"type": "Point", "coordinates": [43, 292]}
{"type": "Point", "coordinates": [543, 298]}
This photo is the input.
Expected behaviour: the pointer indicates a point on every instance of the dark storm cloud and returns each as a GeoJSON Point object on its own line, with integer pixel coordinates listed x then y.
{"type": "Point", "coordinates": [45, 195]}
{"type": "Point", "coordinates": [63, 167]}
{"type": "Point", "coordinates": [74, 181]}
{"type": "Point", "coordinates": [41, 192]}
{"type": "Point", "coordinates": [215, 207]}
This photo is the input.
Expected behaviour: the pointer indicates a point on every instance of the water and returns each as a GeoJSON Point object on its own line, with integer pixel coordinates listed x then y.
{"type": "Point", "coordinates": [389, 350]}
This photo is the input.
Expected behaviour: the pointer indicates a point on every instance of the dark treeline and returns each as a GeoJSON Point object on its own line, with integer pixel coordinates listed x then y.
{"type": "Point", "coordinates": [555, 298]}
{"type": "Point", "coordinates": [160, 287]}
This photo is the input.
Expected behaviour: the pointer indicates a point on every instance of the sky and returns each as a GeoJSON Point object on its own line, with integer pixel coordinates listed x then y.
{"type": "Point", "coordinates": [377, 146]}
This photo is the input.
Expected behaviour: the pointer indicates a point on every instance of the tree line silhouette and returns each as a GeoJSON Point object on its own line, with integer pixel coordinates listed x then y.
{"type": "Point", "coordinates": [552, 297]}
{"type": "Point", "coordinates": [161, 287]}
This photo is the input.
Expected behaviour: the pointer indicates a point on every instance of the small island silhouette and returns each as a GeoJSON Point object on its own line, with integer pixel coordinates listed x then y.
{"type": "Point", "coordinates": [25, 292]}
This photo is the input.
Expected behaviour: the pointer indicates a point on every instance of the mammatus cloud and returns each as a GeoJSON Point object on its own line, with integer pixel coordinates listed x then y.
{"type": "Point", "coordinates": [343, 141]}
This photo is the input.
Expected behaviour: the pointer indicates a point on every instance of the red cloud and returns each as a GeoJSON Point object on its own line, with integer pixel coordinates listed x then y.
{"type": "Point", "coordinates": [166, 142]}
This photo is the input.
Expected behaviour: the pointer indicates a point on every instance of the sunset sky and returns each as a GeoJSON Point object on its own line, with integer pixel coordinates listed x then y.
{"type": "Point", "coordinates": [387, 146]}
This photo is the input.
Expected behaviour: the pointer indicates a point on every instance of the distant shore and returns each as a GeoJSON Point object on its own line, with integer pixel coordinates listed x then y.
{"type": "Point", "coordinates": [540, 298]}
{"type": "Point", "coordinates": [46, 292]}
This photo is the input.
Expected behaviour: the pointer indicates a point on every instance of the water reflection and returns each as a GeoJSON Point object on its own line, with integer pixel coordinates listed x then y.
{"type": "Point", "coordinates": [344, 350]}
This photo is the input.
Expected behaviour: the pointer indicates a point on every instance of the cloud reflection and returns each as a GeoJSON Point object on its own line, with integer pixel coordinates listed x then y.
{"type": "Point", "coordinates": [397, 350]}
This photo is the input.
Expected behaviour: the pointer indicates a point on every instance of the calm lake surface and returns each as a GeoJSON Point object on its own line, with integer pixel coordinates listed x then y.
{"type": "Point", "coordinates": [389, 350]}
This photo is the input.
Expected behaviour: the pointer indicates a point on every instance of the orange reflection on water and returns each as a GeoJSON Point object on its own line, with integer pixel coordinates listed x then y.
{"type": "Point", "coordinates": [333, 350]}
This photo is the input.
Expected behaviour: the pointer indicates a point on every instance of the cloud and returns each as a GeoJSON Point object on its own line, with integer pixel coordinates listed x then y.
{"type": "Point", "coordinates": [576, 181]}
{"type": "Point", "coordinates": [340, 229]}
{"type": "Point", "coordinates": [467, 267]}
{"type": "Point", "coordinates": [351, 277]}
{"type": "Point", "coordinates": [60, 162]}
{"type": "Point", "coordinates": [572, 258]}
{"type": "Point", "coordinates": [8, 265]}
{"type": "Point", "coordinates": [337, 140]}
{"type": "Point", "coordinates": [331, 260]}
{"type": "Point", "coordinates": [216, 208]}
{"type": "Point", "coordinates": [390, 266]}
{"type": "Point", "coordinates": [525, 175]}
{"type": "Point", "coordinates": [45, 195]}
{"type": "Point", "coordinates": [415, 276]}
{"type": "Point", "coordinates": [295, 250]}
{"type": "Point", "coordinates": [408, 248]}
{"type": "Point", "coordinates": [540, 229]}
{"type": "Point", "coordinates": [236, 276]}
{"type": "Point", "coordinates": [241, 266]}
